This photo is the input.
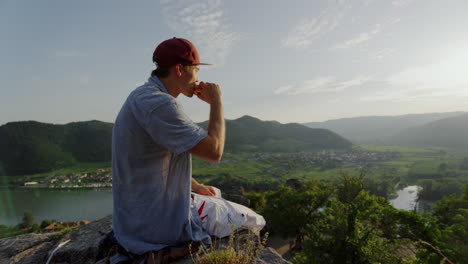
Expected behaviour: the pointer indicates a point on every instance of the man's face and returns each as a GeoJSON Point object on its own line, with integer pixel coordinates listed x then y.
{"type": "Point", "coordinates": [190, 78]}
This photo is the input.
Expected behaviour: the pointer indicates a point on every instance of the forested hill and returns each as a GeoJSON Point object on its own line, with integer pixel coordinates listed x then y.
{"type": "Point", "coordinates": [251, 134]}
{"type": "Point", "coordinates": [377, 129]}
{"type": "Point", "coordinates": [32, 147]}
{"type": "Point", "coordinates": [448, 132]}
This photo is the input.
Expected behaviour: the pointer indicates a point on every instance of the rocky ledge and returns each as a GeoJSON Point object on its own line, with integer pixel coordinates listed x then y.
{"type": "Point", "coordinates": [86, 244]}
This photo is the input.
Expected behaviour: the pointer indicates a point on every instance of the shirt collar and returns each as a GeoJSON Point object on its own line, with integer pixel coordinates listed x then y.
{"type": "Point", "coordinates": [157, 82]}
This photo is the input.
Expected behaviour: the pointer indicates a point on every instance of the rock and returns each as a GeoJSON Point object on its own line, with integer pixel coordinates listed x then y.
{"type": "Point", "coordinates": [270, 256]}
{"type": "Point", "coordinates": [37, 254]}
{"type": "Point", "coordinates": [21, 246]}
{"type": "Point", "coordinates": [102, 261]}
{"type": "Point", "coordinates": [87, 244]}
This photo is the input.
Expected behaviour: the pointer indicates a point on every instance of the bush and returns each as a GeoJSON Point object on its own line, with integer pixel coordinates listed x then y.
{"type": "Point", "coordinates": [34, 228]}
{"type": "Point", "coordinates": [257, 201]}
{"type": "Point", "coordinates": [45, 223]}
{"type": "Point", "coordinates": [28, 219]}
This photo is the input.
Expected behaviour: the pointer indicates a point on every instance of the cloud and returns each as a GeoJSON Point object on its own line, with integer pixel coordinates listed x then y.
{"type": "Point", "coordinates": [427, 82]}
{"type": "Point", "coordinates": [363, 37]}
{"type": "Point", "coordinates": [402, 3]}
{"type": "Point", "coordinates": [383, 53]}
{"type": "Point", "coordinates": [204, 23]}
{"type": "Point", "coordinates": [366, 36]}
{"type": "Point", "coordinates": [309, 30]}
{"type": "Point", "coordinates": [67, 53]}
{"type": "Point", "coordinates": [321, 85]}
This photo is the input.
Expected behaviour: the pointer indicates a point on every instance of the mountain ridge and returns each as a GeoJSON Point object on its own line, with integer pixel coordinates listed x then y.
{"type": "Point", "coordinates": [377, 129]}
{"type": "Point", "coordinates": [28, 147]}
{"type": "Point", "coordinates": [451, 132]}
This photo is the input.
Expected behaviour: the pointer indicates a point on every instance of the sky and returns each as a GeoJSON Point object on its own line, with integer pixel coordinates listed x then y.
{"type": "Point", "coordinates": [290, 61]}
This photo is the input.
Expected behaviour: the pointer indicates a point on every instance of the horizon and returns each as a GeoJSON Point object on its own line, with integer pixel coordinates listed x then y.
{"type": "Point", "coordinates": [230, 119]}
{"type": "Point", "coordinates": [70, 61]}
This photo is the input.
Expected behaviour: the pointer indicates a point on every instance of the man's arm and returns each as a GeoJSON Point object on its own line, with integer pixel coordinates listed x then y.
{"type": "Point", "coordinates": [211, 148]}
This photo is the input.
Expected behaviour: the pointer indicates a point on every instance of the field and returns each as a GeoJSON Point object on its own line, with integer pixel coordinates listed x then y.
{"type": "Point", "coordinates": [384, 167]}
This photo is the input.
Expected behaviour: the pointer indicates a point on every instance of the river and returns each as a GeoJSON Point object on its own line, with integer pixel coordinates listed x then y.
{"type": "Point", "coordinates": [91, 204]}
{"type": "Point", "coordinates": [59, 204]}
{"type": "Point", "coordinates": [407, 200]}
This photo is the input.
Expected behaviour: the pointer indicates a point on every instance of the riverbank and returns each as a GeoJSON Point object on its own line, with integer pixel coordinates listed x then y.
{"type": "Point", "coordinates": [91, 185]}
{"type": "Point", "coordinates": [82, 178]}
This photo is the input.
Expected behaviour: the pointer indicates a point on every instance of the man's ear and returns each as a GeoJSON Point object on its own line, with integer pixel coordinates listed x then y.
{"type": "Point", "coordinates": [178, 69]}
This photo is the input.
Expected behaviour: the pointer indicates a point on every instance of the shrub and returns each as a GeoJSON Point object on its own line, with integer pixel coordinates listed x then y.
{"type": "Point", "coordinates": [28, 219]}
{"type": "Point", "coordinates": [45, 223]}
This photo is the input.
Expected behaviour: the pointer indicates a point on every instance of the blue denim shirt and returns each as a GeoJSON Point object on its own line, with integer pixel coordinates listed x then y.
{"type": "Point", "coordinates": [151, 172]}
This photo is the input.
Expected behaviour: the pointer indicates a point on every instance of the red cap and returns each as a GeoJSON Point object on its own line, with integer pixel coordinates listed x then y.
{"type": "Point", "coordinates": [176, 51]}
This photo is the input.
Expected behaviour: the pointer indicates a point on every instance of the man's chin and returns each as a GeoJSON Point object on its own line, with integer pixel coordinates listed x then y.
{"type": "Point", "coordinates": [189, 95]}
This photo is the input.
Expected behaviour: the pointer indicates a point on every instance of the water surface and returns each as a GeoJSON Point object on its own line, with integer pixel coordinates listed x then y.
{"type": "Point", "coordinates": [59, 204]}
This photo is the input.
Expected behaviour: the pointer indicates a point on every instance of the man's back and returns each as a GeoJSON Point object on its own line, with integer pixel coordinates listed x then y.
{"type": "Point", "coordinates": [152, 171]}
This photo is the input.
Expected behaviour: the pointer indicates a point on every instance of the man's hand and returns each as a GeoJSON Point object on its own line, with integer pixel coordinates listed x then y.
{"type": "Point", "coordinates": [208, 92]}
{"type": "Point", "coordinates": [202, 189]}
{"type": "Point", "coordinates": [206, 190]}
{"type": "Point", "coordinates": [211, 148]}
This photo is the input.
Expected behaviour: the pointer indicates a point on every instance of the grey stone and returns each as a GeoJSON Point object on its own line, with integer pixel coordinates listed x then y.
{"type": "Point", "coordinates": [87, 244]}
{"type": "Point", "coordinates": [10, 247]}
{"type": "Point", "coordinates": [270, 256]}
{"type": "Point", "coordinates": [102, 261]}
{"type": "Point", "coordinates": [37, 254]}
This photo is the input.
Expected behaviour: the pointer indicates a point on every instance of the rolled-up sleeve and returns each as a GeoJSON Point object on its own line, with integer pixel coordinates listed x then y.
{"type": "Point", "coordinates": [170, 127]}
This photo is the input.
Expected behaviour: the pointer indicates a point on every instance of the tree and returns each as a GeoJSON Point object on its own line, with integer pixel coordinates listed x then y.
{"type": "Point", "coordinates": [452, 214]}
{"type": "Point", "coordinates": [348, 229]}
{"type": "Point", "coordinates": [345, 224]}
{"type": "Point", "coordinates": [288, 211]}
{"type": "Point", "coordinates": [257, 201]}
{"type": "Point", "coordinates": [28, 220]}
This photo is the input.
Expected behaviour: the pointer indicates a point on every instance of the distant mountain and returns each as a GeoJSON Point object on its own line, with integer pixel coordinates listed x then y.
{"type": "Point", "coordinates": [251, 134]}
{"type": "Point", "coordinates": [32, 147]}
{"type": "Point", "coordinates": [377, 129]}
{"type": "Point", "coordinates": [449, 132]}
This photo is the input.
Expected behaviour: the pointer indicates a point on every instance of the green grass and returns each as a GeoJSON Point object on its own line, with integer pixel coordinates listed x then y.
{"type": "Point", "coordinates": [64, 231]}
{"type": "Point", "coordinates": [409, 160]}
{"type": "Point", "coordinates": [11, 231]}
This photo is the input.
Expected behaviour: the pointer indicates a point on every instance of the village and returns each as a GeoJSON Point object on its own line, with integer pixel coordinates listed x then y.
{"type": "Point", "coordinates": [101, 178]}
{"type": "Point", "coordinates": [327, 159]}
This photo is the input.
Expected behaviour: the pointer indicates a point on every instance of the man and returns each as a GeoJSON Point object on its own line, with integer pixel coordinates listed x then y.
{"type": "Point", "coordinates": [152, 143]}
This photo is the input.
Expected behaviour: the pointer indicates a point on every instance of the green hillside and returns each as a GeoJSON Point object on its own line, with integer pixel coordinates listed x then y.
{"type": "Point", "coordinates": [33, 147]}
{"type": "Point", "coordinates": [251, 134]}
{"type": "Point", "coordinates": [448, 132]}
